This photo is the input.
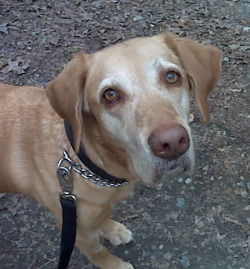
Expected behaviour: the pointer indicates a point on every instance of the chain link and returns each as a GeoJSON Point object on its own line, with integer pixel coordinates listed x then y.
{"type": "Point", "coordinates": [85, 173]}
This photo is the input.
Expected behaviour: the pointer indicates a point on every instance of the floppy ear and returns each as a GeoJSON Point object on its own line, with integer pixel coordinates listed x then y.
{"type": "Point", "coordinates": [202, 64]}
{"type": "Point", "coordinates": [65, 94]}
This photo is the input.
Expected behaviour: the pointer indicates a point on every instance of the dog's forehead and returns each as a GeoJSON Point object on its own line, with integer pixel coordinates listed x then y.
{"type": "Point", "coordinates": [134, 54]}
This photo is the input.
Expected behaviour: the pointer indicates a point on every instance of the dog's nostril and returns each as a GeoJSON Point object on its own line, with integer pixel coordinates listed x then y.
{"type": "Point", "coordinates": [183, 141]}
{"type": "Point", "coordinates": [166, 146]}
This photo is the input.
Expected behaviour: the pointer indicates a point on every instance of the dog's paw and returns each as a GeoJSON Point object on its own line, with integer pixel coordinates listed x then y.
{"type": "Point", "coordinates": [126, 265]}
{"type": "Point", "coordinates": [118, 234]}
{"type": "Point", "coordinates": [122, 265]}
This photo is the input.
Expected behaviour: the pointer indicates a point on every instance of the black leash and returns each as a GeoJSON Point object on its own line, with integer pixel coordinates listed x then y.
{"type": "Point", "coordinates": [68, 204]}
{"type": "Point", "coordinates": [68, 235]}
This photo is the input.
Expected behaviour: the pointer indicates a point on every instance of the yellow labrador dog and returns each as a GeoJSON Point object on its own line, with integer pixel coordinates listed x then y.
{"type": "Point", "coordinates": [128, 106]}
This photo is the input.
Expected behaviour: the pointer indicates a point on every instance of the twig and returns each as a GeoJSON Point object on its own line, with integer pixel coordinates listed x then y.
{"type": "Point", "coordinates": [48, 262]}
{"type": "Point", "coordinates": [33, 263]}
{"type": "Point", "coordinates": [237, 223]}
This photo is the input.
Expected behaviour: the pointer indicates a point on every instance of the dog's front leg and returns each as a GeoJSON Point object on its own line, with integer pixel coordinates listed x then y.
{"type": "Point", "coordinates": [89, 224]}
{"type": "Point", "coordinates": [116, 233]}
{"type": "Point", "coordinates": [98, 254]}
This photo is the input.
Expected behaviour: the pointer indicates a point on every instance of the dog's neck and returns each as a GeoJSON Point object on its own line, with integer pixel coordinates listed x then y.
{"type": "Point", "coordinates": [108, 179]}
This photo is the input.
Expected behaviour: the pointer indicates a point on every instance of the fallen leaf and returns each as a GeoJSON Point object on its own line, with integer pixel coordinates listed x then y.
{"type": "Point", "coordinates": [4, 28]}
{"type": "Point", "coordinates": [15, 66]}
{"type": "Point", "coordinates": [54, 40]}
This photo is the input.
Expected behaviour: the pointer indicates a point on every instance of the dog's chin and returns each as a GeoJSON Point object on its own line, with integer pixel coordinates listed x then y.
{"type": "Point", "coordinates": [163, 169]}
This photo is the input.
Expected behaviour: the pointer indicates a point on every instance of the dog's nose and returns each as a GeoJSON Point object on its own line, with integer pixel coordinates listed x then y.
{"type": "Point", "coordinates": [169, 141]}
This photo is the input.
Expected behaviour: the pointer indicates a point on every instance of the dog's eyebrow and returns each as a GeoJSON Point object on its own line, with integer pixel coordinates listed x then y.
{"type": "Point", "coordinates": [156, 65]}
{"type": "Point", "coordinates": [162, 63]}
{"type": "Point", "coordinates": [106, 82]}
{"type": "Point", "coordinates": [120, 80]}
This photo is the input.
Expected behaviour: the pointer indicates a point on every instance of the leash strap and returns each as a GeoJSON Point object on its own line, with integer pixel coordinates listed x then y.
{"type": "Point", "coordinates": [68, 236]}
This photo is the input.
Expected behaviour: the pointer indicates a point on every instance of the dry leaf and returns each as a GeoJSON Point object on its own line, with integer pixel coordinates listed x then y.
{"type": "Point", "coordinates": [15, 66]}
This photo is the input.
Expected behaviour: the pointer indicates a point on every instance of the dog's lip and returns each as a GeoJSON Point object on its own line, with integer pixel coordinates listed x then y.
{"type": "Point", "coordinates": [183, 162]}
{"type": "Point", "coordinates": [184, 165]}
{"type": "Point", "coordinates": [163, 168]}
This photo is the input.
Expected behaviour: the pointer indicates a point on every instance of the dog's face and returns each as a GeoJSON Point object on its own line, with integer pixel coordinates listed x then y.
{"type": "Point", "coordinates": [133, 89]}
{"type": "Point", "coordinates": [129, 103]}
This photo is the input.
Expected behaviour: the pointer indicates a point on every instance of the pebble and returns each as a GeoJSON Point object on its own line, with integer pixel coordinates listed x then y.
{"type": "Point", "coordinates": [220, 237]}
{"type": "Point", "coordinates": [188, 180]}
{"type": "Point", "coordinates": [246, 29]}
{"type": "Point", "coordinates": [126, 252]}
{"type": "Point", "coordinates": [185, 261]}
{"type": "Point", "coordinates": [168, 256]}
{"type": "Point", "coordinates": [159, 186]}
{"type": "Point", "coordinates": [247, 208]}
{"type": "Point", "coordinates": [205, 168]}
{"type": "Point", "coordinates": [234, 46]}
{"type": "Point", "coordinates": [240, 184]}
{"type": "Point", "coordinates": [180, 202]}
{"type": "Point", "coordinates": [180, 180]}
{"type": "Point", "coordinates": [166, 197]}
{"type": "Point", "coordinates": [138, 18]}
{"type": "Point", "coordinates": [244, 194]}
{"type": "Point", "coordinates": [198, 222]}
{"type": "Point", "coordinates": [248, 185]}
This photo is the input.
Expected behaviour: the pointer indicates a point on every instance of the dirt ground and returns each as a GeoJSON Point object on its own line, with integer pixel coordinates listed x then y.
{"type": "Point", "coordinates": [198, 222]}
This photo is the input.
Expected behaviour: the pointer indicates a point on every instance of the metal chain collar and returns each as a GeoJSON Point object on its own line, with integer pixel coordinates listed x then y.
{"type": "Point", "coordinates": [64, 172]}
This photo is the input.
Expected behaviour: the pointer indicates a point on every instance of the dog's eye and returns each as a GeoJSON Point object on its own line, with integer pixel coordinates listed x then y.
{"type": "Point", "coordinates": [111, 95]}
{"type": "Point", "coordinates": [172, 77]}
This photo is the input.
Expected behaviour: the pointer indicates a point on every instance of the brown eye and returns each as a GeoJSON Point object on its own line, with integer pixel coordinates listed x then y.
{"type": "Point", "coordinates": [111, 96]}
{"type": "Point", "coordinates": [172, 77]}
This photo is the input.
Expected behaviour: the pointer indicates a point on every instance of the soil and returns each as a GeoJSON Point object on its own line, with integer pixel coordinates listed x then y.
{"type": "Point", "coordinates": [200, 221]}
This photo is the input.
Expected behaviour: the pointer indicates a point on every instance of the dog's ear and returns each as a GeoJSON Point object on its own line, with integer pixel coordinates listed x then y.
{"type": "Point", "coordinates": [66, 96]}
{"type": "Point", "coordinates": [202, 64]}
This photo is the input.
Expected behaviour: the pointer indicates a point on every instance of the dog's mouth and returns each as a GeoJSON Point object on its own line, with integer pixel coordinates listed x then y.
{"type": "Point", "coordinates": [164, 168]}
{"type": "Point", "coordinates": [182, 165]}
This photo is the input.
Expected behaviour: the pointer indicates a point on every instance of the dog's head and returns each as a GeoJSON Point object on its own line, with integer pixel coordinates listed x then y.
{"type": "Point", "coordinates": [129, 103]}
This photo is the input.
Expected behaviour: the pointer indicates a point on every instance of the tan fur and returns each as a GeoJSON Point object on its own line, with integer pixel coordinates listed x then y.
{"type": "Point", "coordinates": [32, 136]}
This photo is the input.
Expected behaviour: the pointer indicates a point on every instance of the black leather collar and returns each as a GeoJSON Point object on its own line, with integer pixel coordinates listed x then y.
{"type": "Point", "coordinates": [87, 162]}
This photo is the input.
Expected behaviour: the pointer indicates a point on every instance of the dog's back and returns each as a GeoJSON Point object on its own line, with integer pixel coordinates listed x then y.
{"type": "Point", "coordinates": [24, 112]}
{"type": "Point", "coordinates": [4, 87]}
